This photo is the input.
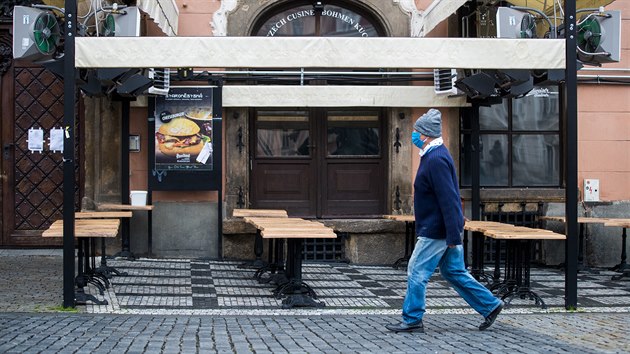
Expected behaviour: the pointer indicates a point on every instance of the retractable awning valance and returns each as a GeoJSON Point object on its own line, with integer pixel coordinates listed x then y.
{"type": "Point", "coordinates": [163, 12]}
{"type": "Point", "coordinates": [318, 52]}
{"type": "Point", "coordinates": [438, 11]}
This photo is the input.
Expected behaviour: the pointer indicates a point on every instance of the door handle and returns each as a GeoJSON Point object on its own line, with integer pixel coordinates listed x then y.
{"type": "Point", "coordinates": [7, 150]}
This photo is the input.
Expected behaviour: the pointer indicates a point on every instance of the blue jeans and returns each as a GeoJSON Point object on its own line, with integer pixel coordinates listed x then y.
{"type": "Point", "coordinates": [427, 255]}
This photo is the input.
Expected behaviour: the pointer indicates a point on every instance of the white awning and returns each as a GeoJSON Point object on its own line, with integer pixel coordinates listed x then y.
{"type": "Point", "coordinates": [319, 52]}
{"type": "Point", "coordinates": [337, 96]}
{"type": "Point", "coordinates": [163, 12]}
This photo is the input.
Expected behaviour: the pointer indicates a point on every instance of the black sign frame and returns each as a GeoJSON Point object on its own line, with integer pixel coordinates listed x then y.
{"type": "Point", "coordinates": [189, 180]}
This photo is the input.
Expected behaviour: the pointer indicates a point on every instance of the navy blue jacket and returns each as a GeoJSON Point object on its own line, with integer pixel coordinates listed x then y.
{"type": "Point", "coordinates": [436, 200]}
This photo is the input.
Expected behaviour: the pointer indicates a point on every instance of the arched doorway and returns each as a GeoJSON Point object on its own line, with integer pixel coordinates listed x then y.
{"type": "Point", "coordinates": [319, 161]}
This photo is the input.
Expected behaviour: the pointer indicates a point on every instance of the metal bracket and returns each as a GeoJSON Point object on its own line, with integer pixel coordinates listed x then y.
{"type": "Point", "coordinates": [397, 201]}
{"type": "Point", "coordinates": [397, 144]}
{"type": "Point", "coordinates": [159, 174]}
{"type": "Point", "coordinates": [240, 144]}
{"type": "Point", "coordinates": [241, 197]}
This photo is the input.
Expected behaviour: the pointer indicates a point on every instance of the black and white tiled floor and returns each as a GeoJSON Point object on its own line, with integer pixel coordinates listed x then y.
{"type": "Point", "coordinates": [199, 286]}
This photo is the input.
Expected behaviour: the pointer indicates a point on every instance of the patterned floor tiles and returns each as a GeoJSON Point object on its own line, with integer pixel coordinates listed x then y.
{"type": "Point", "coordinates": [215, 285]}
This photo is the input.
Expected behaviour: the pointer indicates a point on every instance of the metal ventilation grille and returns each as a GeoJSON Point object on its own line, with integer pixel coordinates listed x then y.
{"type": "Point", "coordinates": [444, 81]}
{"type": "Point", "coordinates": [161, 81]}
{"type": "Point", "coordinates": [324, 249]}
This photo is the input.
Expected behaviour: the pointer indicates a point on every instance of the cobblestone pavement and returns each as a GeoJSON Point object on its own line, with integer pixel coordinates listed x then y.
{"type": "Point", "coordinates": [89, 333]}
{"type": "Point", "coordinates": [200, 306]}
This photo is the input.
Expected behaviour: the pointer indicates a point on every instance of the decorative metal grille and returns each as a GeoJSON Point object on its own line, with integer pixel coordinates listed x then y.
{"type": "Point", "coordinates": [325, 249]}
{"type": "Point", "coordinates": [38, 177]}
{"type": "Point", "coordinates": [523, 214]}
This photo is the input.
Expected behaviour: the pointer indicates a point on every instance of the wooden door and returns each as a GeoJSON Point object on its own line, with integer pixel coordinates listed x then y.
{"type": "Point", "coordinates": [283, 163]}
{"type": "Point", "coordinates": [353, 180]}
{"type": "Point", "coordinates": [32, 191]}
{"type": "Point", "coordinates": [319, 162]}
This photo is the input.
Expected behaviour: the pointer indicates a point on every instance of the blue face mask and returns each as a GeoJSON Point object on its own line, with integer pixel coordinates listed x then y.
{"type": "Point", "coordinates": [415, 139]}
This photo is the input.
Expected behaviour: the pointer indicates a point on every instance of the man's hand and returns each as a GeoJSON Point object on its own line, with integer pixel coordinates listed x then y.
{"type": "Point", "coordinates": [452, 246]}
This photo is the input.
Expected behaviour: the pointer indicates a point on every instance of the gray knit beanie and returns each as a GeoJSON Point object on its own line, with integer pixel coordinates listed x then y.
{"type": "Point", "coordinates": [430, 123]}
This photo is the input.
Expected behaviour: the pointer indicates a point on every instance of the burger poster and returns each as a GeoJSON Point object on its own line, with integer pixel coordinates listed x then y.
{"type": "Point", "coordinates": [183, 129]}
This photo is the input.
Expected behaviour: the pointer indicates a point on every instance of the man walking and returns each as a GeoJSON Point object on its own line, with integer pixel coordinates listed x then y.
{"type": "Point", "coordinates": [439, 226]}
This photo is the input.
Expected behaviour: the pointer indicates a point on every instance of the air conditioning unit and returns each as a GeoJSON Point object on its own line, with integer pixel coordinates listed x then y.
{"type": "Point", "coordinates": [123, 22]}
{"type": "Point", "coordinates": [599, 38]}
{"type": "Point", "coordinates": [505, 22]}
{"type": "Point", "coordinates": [444, 81]}
{"type": "Point", "coordinates": [161, 81]}
{"type": "Point", "coordinates": [36, 33]}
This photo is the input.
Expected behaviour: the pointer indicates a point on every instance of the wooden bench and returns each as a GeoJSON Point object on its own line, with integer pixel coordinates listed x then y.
{"type": "Point", "coordinates": [124, 239]}
{"type": "Point", "coordinates": [296, 293]}
{"type": "Point", "coordinates": [410, 236]}
{"type": "Point", "coordinates": [86, 230]}
{"type": "Point", "coordinates": [582, 221]}
{"type": "Point", "coordinates": [258, 263]}
{"type": "Point", "coordinates": [262, 213]}
{"type": "Point", "coordinates": [516, 282]}
{"type": "Point", "coordinates": [622, 267]}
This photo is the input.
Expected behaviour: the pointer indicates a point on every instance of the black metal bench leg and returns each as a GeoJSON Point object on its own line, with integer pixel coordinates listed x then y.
{"type": "Point", "coordinates": [296, 292]}
{"type": "Point", "coordinates": [258, 251]}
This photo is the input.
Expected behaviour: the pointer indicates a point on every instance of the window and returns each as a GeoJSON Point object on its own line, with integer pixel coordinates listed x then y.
{"type": "Point", "coordinates": [330, 20]}
{"type": "Point", "coordinates": [519, 142]}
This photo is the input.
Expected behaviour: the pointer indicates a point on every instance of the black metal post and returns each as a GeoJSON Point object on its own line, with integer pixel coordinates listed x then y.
{"type": "Point", "coordinates": [571, 154]}
{"type": "Point", "coordinates": [69, 100]}
{"type": "Point", "coordinates": [124, 179]}
{"type": "Point", "coordinates": [475, 202]}
{"type": "Point", "coordinates": [475, 163]}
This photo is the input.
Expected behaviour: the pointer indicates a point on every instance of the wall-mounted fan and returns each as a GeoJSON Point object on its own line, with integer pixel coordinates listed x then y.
{"type": "Point", "coordinates": [599, 38]}
{"type": "Point", "coordinates": [528, 26]}
{"type": "Point", "coordinates": [123, 22]}
{"type": "Point", "coordinates": [36, 33]}
{"type": "Point", "coordinates": [108, 26]}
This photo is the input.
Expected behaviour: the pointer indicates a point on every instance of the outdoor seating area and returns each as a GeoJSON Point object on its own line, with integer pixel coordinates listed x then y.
{"type": "Point", "coordinates": [198, 286]}
{"type": "Point", "coordinates": [86, 231]}
{"type": "Point", "coordinates": [515, 281]}
{"type": "Point", "coordinates": [277, 227]}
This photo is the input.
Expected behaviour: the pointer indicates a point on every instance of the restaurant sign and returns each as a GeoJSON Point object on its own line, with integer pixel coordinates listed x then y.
{"type": "Point", "coordinates": [184, 129]}
{"type": "Point", "coordinates": [349, 21]}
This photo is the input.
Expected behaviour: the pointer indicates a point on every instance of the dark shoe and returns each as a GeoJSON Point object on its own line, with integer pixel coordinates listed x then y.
{"type": "Point", "coordinates": [491, 317]}
{"type": "Point", "coordinates": [406, 327]}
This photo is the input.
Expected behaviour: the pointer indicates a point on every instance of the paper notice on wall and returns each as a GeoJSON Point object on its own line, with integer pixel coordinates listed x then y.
{"type": "Point", "coordinates": [36, 140]}
{"type": "Point", "coordinates": [56, 140]}
{"type": "Point", "coordinates": [205, 153]}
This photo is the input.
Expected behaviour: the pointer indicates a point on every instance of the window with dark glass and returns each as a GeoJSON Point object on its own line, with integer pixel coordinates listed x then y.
{"type": "Point", "coordinates": [353, 134]}
{"type": "Point", "coordinates": [519, 142]}
{"type": "Point", "coordinates": [282, 133]}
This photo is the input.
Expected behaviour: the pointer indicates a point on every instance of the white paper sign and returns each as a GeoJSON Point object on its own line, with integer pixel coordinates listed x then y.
{"type": "Point", "coordinates": [36, 140]}
{"type": "Point", "coordinates": [205, 153]}
{"type": "Point", "coordinates": [56, 140]}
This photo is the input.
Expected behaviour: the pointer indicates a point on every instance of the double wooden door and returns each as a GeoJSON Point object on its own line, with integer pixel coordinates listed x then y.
{"type": "Point", "coordinates": [319, 162]}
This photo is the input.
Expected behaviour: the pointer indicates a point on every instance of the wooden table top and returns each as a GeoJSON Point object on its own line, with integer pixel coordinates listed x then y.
{"type": "Point", "coordinates": [625, 223]}
{"type": "Point", "coordinates": [284, 227]}
{"type": "Point", "coordinates": [481, 226]}
{"type": "Point", "coordinates": [581, 219]}
{"type": "Point", "coordinates": [102, 214]}
{"type": "Point", "coordinates": [504, 231]}
{"type": "Point", "coordinates": [110, 206]}
{"type": "Point", "coordinates": [86, 228]}
{"type": "Point", "coordinates": [275, 213]}
{"type": "Point", "coordinates": [405, 218]}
